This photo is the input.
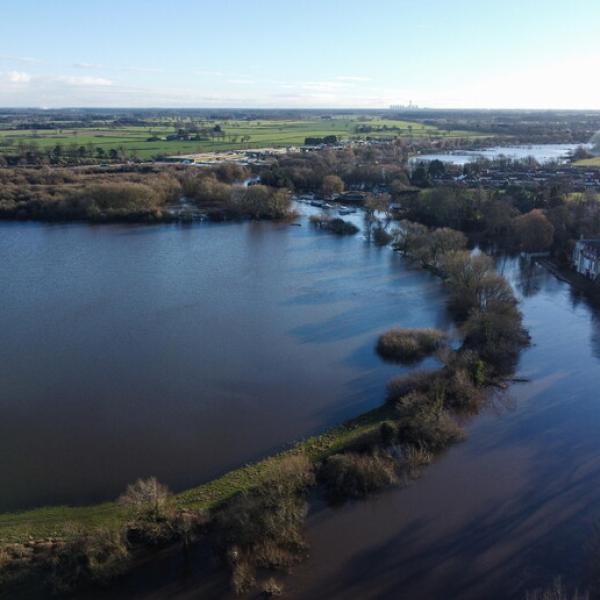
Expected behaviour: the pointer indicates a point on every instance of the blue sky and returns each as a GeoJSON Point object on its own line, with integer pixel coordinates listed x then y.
{"type": "Point", "coordinates": [310, 53]}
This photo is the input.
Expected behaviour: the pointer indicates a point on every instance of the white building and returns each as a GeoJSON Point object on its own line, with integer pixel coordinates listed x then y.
{"type": "Point", "coordinates": [586, 258]}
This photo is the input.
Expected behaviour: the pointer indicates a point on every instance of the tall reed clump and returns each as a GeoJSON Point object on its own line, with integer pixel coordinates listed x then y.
{"type": "Point", "coordinates": [410, 345]}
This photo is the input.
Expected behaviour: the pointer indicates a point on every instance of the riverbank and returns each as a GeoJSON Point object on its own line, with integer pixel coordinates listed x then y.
{"type": "Point", "coordinates": [581, 284]}
{"type": "Point", "coordinates": [57, 521]}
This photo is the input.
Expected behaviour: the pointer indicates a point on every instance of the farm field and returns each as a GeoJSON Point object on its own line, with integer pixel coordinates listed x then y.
{"type": "Point", "coordinates": [235, 134]}
{"type": "Point", "coordinates": [588, 162]}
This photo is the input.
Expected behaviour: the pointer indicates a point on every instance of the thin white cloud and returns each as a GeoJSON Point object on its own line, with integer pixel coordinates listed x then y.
{"type": "Point", "coordinates": [84, 65]}
{"type": "Point", "coordinates": [352, 78]}
{"type": "Point", "coordinates": [18, 77]}
{"type": "Point", "coordinates": [211, 73]}
{"type": "Point", "coordinates": [140, 69]}
{"type": "Point", "coordinates": [241, 81]}
{"type": "Point", "coordinates": [85, 81]}
{"type": "Point", "coordinates": [19, 59]}
{"type": "Point", "coordinates": [100, 66]}
{"type": "Point", "coordinates": [316, 86]}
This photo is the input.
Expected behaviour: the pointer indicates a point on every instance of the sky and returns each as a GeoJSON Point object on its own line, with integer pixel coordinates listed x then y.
{"type": "Point", "coordinates": [300, 54]}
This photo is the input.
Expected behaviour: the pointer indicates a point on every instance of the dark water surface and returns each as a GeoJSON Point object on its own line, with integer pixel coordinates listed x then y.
{"type": "Point", "coordinates": [130, 351]}
{"type": "Point", "coordinates": [506, 511]}
{"type": "Point", "coordinates": [511, 508]}
{"type": "Point", "coordinates": [181, 352]}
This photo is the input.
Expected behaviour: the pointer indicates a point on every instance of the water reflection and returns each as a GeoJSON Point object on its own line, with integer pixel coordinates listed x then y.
{"type": "Point", "coordinates": [595, 337]}
{"type": "Point", "coordinates": [182, 352]}
{"type": "Point", "coordinates": [508, 510]}
{"type": "Point", "coordinates": [505, 512]}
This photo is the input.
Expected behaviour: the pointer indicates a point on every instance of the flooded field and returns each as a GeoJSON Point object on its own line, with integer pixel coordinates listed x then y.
{"type": "Point", "coordinates": [542, 153]}
{"type": "Point", "coordinates": [124, 358]}
{"type": "Point", "coordinates": [183, 352]}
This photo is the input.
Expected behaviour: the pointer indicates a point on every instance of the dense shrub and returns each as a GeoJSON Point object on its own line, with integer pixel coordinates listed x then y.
{"type": "Point", "coordinates": [260, 202]}
{"type": "Point", "coordinates": [87, 195]}
{"type": "Point", "coordinates": [428, 246]}
{"type": "Point", "coordinates": [88, 557]}
{"type": "Point", "coordinates": [262, 527]}
{"type": "Point", "coordinates": [154, 520]}
{"type": "Point", "coordinates": [426, 426]}
{"type": "Point", "coordinates": [381, 237]}
{"type": "Point", "coordinates": [271, 588]}
{"type": "Point", "coordinates": [410, 345]}
{"type": "Point", "coordinates": [148, 497]}
{"type": "Point", "coordinates": [461, 393]}
{"type": "Point", "coordinates": [353, 475]}
{"type": "Point", "coordinates": [416, 381]}
{"type": "Point", "coordinates": [334, 224]}
{"type": "Point", "coordinates": [497, 336]}
{"type": "Point", "coordinates": [388, 433]}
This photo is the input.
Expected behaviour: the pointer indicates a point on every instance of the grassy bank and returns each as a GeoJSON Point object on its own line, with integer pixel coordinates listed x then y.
{"type": "Point", "coordinates": [57, 521]}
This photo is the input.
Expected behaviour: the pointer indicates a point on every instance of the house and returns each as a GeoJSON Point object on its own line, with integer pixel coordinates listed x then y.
{"type": "Point", "coordinates": [586, 258]}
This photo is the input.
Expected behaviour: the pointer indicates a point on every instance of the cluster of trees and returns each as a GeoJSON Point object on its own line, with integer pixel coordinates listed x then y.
{"type": "Point", "coordinates": [480, 298]}
{"type": "Point", "coordinates": [514, 218]}
{"type": "Point", "coordinates": [32, 153]}
{"type": "Point", "coordinates": [138, 194]}
{"type": "Point", "coordinates": [334, 224]}
{"type": "Point", "coordinates": [318, 141]}
{"type": "Point", "coordinates": [214, 191]}
{"type": "Point", "coordinates": [56, 194]}
{"type": "Point", "coordinates": [522, 126]}
{"type": "Point", "coordinates": [365, 167]}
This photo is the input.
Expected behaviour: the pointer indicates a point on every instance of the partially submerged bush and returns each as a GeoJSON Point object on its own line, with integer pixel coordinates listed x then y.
{"type": "Point", "coordinates": [262, 527]}
{"type": "Point", "coordinates": [427, 427]}
{"type": "Point", "coordinates": [381, 237]}
{"type": "Point", "coordinates": [88, 557]}
{"type": "Point", "coordinates": [410, 345]}
{"type": "Point", "coordinates": [272, 588]}
{"type": "Point", "coordinates": [260, 202]}
{"type": "Point", "coordinates": [428, 246]}
{"type": "Point", "coordinates": [353, 475]}
{"type": "Point", "coordinates": [498, 336]}
{"type": "Point", "coordinates": [335, 225]}
{"type": "Point", "coordinates": [417, 381]}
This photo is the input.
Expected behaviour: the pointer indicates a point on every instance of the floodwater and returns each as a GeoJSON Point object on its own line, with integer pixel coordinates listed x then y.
{"type": "Point", "coordinates": [123, 356]}
{"type": "Point", "coordinates": [542, 153]}
{"type": "Point", "coordinates": [507, 511]}
{"type": "Point", "coordinates": [182, 352]}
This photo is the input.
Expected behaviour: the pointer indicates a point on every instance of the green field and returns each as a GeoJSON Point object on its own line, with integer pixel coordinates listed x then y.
{"type": "Point", "coordinates": [257, 134]}
{"type": "Point", "coordinates": [588, 162]}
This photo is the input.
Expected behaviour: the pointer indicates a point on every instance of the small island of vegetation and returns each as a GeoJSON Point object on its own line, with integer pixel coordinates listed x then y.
{"type": "Point", "coordinates": [410, 345]}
